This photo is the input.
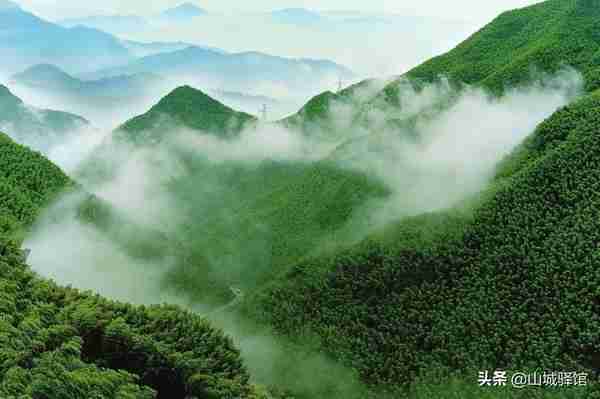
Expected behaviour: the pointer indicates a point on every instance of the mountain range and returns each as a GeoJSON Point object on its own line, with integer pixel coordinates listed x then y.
{"type": "Point", "coordinates": [413, 308]}
{"type": "Point", "coordinates": [125, 24]}
{"type": "Point", "coordinates": [40, 129]}
{"type": "Point", "coordinates": [436, 289]}
{"type": "Point", "coordinates": [114, 24]}
{"type": "Point", "coordinates": [433, 277]}
{"type": "Point", "coordinates": [139, 49]}
{"type": "Point", "coordinates": [25, 45]}
{"type": "Point", "coordinates": [299, 16]}
{"type": "Point", "coordinates": [25, 39]}
{"type": "Point", "coordinates": [101, 100]}
{"type": "Point", "coordinates": [249, 72]}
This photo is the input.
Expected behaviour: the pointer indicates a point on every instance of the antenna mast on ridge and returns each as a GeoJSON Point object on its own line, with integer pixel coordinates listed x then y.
{"type": "Point", "coordinates": [340, 84]}
{"type": "Point", "coordinates": [263, 112]}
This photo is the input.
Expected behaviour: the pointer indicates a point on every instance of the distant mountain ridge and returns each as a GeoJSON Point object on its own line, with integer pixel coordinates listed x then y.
{"type": "Point", "coordinates": [124, 24]}
{"type": "Point", "coordinates": [115, 24]}
{"type": "Point", "coordinates": [183, 11]}
{"type": "Point", "coordinates": [298, 16]}
{"type": "Point", "coordinates": [103, 101]}
{"type": "Point", "coordinates": [39, 129]}
{"type": "Point", "coordinates": [25, 39]}
{"type": "Point", "coordinates": [141, 49]}
{"type": "Point", "coordinates": [48, 76]}
{"type": "Point", "coordinates": [250, 72]}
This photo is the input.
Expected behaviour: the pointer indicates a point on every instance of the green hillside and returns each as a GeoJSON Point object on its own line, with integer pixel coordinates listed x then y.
{"type": "Point", "coordinates": [334, 116]}
{"type": "Point", "coordinates": [185, 107]}
{"type": "Point", "coordinates": [248, 222]}
{"type": "Point", "coordinates": [60, 343]}
{"type": "Point", "coordinates": [505, 282]}
{"type": "Point", "coordinates": [27, 183]}
{"type": "Point", "coordinates": [465, 292]}
{"type": "Point", "coordinates": [541, 37]}
{"type": "Point", "coordinates": [242, 221]}
{"type": "Point", "coordinates": [513, 49]}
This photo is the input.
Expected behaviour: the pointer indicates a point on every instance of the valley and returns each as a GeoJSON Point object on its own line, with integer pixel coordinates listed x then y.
{"type": "Point", "coordinates": [390, 239]}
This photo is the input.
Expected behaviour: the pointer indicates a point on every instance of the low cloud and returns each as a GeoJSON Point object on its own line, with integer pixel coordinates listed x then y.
{"type": "Point", "coordinates": [441, 154]}
{"type": "Point", "coordinates": [441, 147]}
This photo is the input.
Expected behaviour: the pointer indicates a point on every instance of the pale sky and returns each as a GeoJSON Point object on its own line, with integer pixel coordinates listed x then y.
{"type": "Point", "coordinates": [461, 9]}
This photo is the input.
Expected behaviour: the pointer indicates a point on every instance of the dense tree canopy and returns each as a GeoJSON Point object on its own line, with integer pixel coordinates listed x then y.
{"type": "Point", "coordinates": [61, 343]}
{"type": "Point", "coordinates": [184, 107]}
{"type": "Point", "coordinates": [465, 290]}
{"type": "Point", "coordinates": [504, 282]}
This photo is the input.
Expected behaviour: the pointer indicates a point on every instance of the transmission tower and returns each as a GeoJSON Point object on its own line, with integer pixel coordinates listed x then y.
{"type": "Point", "coordinates": [263, 112]}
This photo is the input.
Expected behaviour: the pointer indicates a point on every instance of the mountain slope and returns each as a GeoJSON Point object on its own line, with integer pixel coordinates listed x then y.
{"type": "Point", "coordinates": [186, 107]}
{"type": "Point", "coordinates": [335, 115]}
{"type": "Point", "coordinates": [39, 129]}
{"type": "Point", "coordinates": [441, 294]}
{"type": "Point", "coordinates": [542, 37]}
{"type": "Point", "coordinates": [60, 341]}
{"type": "Point", "coordinates": [25, 39]}
{"type": "Point", "coordinates": [281, 209]}
{"type": "Point", "coordinates": [515, 48]}
{"type": "Point", "coordinates": [28, 182]}
{"type": "Point", "coordinates": [436, 280]}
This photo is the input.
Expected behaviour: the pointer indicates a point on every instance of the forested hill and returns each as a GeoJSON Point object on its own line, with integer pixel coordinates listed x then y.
{"type": "Point", "coordinates": [506, 283]}
{"type": "Point", "coordinates": [63, 344]}
{"type": "Point", "coordinates": [332, 115]}
{"type": "Point", "coordinates": [542, 37]}
{"type": "Point", "coordinates": [27, 183]}
{"type": "Point", "coordinates": [513, 49]}
{"type": "Point", "coordinates": [185, 107]}
{"type": "Point", "coordinates": [519, 45]}
{"type": "Point", "coordinates": [460, 291]}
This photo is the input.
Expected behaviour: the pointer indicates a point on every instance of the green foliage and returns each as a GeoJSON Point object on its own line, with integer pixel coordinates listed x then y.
{"type": "Point", "coordinates": [184, 107]}
{"type": "Point", "coordinates": [330, 116]}
{"type": "Point", "coordinates": [511, 285]}
{"type": "Point", "coordinates": [60, 343]}
{"type": "Point", "coordinates": [512, 50]}
{"type": "Point", "coordinates": [316, 114]}
{"type": "Point", "coordinates": [248, 222]}
{"type": "Point", "coordinates": [245, 222]}
{"type": "Point", "coordinates": [544, 37]}
{"type": "Point", "coordinates": [28, 182]}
